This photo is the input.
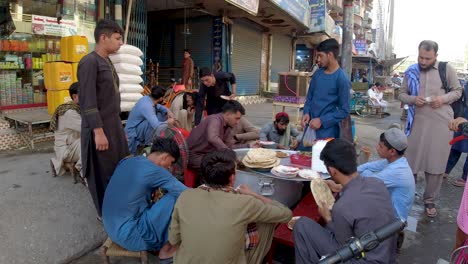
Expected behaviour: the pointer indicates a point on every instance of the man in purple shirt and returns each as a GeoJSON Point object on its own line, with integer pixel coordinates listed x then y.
{"type": "Point", "coordinates": [215, 132]}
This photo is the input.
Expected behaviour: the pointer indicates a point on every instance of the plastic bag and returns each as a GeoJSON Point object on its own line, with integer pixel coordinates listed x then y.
{"type": "Point", "coordinates": [309, 137]}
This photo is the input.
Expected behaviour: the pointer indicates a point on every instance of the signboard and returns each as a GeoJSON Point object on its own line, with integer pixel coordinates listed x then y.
{"type": "Point", "coordinates": [217, 43]}
{"type": "Point", "coordinates": [298, 9]}
{"type": "Point", "coordinates": [251, 6]}
{"type": "Point", "coordinates": [43, 25]}
{"type": "Point", "coordinates": [360, 46]}
{"type": "Point", "coordinates": [318, 11]}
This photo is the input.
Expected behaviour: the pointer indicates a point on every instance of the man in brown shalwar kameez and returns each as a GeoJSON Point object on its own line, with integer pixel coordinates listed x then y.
{"type": "Point", "coordinates": [428, 140]}
{"type": "Point", "coordinates": [103, 142]}
{"type": "Point", "coordinates": [187, 70]}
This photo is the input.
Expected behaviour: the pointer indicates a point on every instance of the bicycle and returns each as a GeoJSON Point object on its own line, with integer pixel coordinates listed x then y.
{"type": "Point", "coordinates": [359, 104]}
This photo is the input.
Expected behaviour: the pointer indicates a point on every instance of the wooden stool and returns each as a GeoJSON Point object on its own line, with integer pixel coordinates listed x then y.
{"type": "Point", "coordinates": [111, 249]}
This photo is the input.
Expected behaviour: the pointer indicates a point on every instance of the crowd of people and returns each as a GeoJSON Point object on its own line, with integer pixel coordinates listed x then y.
{"type": "Point", "coordinates": [144, 207]}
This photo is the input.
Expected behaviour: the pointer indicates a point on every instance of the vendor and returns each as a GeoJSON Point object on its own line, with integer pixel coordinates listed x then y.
{"type": "Point", "coordinates": [280, 132]}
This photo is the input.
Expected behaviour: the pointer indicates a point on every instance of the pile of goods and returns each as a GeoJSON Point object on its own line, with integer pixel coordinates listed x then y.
{"type": "Point", "coordinates": [127, 63]}
{"type": "Point", "coordinates": [260, 158]}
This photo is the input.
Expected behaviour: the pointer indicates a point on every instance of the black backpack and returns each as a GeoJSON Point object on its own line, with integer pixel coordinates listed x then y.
{"type": "Point", "coordinates": [459, 105]}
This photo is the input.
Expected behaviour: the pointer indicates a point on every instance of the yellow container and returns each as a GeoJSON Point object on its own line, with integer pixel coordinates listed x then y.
{"type": "Point", "coordinates": [75, 71]}
{"type": "Point", "coordinates": [56, 98]}
{"type": "Point", "coordinates": [58, 75]}
{"type": "Point", "coordinates": [73, 48]}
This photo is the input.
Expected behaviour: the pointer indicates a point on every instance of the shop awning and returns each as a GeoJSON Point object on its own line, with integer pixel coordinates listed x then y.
{"type": "Point", "coordinates": [364, 59]}
{"type": "Point", "coordinates": [391, 62]}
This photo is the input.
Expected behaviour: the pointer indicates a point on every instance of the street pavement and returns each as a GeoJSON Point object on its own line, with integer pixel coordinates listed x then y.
{"type": "Point", "coordinates": [51, 220]}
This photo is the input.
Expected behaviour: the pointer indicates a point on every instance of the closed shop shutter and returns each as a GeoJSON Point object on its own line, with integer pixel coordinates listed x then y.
{"type": "Point", "coordinates": [281, 55]}
{"type": "Point", "coordinates": [199, 42]}
{"type": "Point", "coordinates": [246, 57]}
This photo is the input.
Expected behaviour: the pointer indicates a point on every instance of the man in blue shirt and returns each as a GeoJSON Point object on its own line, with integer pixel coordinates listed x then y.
{"type": "Point", "coordinates": [129, 216]}
{"type": "Point", "coordinates": [328, 96]}
{"type": "Point", "coordinates": [393, 170]}
{"type": "Point", "coordinates": [145, 117]}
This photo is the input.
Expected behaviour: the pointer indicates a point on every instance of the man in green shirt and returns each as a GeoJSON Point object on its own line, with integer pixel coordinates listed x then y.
{"type": "Point", "coordinates": [210, 223]}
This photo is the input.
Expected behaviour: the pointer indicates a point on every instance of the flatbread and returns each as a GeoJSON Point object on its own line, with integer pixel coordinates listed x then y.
{"type": "Point", "coordinates": [260, 158]}
{"type": "Point", "coordinates": [322, 193]}
{"type": "Point", "coordinates": [280, 154]}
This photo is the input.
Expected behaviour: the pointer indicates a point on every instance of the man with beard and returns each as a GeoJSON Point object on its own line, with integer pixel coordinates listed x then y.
{"type": "Point", "coordinates": [428, 115]}
{"type": "Point", "coordinates": [327, 101]}
{"type": "Point", "coordinates": [280, 132]}
{"type": "Point", "coordinates": [215, 133]}
{"type": "Point", "coordinates": [103, 142]}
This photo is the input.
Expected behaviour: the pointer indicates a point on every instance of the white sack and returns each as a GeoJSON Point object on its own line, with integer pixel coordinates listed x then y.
{"type": "Point", "coordinates": [129, 79]}
{"type": "Point", "coordinates": [130, 88]}
{"type": "Point", "coordinates": [127, 58]}
{"type": "Point", "coordinates": [127, 68]}
{"type": "Point", "coordinates": [129, 49]}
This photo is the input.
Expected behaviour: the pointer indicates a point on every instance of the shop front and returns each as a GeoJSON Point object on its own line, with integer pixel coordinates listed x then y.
{"type": "Point", "coordinates": [33, 40]}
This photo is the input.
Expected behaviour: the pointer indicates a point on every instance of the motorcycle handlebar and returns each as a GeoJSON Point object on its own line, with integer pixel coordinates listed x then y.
{"type": "Point", "coordinates": [365, 243]}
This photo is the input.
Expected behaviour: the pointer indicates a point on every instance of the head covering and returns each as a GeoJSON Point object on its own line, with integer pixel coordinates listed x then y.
{"type": "Point", "coordinates": [396, 138]}
{"type": "Point", "coordinates": [281, 114]}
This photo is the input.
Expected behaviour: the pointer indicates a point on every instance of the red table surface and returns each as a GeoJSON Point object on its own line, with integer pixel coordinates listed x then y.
{"type": "Point", "coordinates": [306, 207]}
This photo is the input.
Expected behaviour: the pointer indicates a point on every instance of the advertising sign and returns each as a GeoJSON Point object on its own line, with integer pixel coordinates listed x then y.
{"type": "Point", "coordinates": [298, 9]}
{"type": "Point", "coordinates": [217, 44]}
{"type": "Point", "coordinates": [318, 9]}
{"type": "Point", "coordinates": [251, 6]}
{"type": "Point", "coordinates": [360, 45]}
{"type": "Point", "coordinates": [43, 25]}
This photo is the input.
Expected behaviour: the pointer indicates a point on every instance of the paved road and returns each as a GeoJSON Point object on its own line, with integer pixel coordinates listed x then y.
{"type": "Point", "coordinates": [52, 220]}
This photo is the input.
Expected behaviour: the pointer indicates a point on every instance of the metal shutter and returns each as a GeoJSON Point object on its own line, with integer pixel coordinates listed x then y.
{"type": "Point", "coordinates": [246, 58]}
{"type": "Point", "coordinates": [281, 55]}
{"type": "Point", "coordinates": [199, 42]}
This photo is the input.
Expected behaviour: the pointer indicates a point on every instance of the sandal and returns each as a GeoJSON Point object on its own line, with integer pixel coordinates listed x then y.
{"type": "Point", "coordinates": [430, 210]}
{"type": "Point", "coordinates": [459, 183]}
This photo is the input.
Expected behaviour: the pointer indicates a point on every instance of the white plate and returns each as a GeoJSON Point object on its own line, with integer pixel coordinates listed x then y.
{"type": "Point", "coordinates": [309, 174]}
{"type": "Point", "coordinates": [286, 169]}
{"type": "Point", "coordinates": [225, 97]}
{"type": "Point", "coordinates": [283, 175]}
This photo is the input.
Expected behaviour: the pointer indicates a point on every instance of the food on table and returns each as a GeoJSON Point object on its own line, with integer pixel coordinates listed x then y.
{"type": "Point", "coordinates": [280, 154]}
{"type": "Point", "coordinates": [260, 158]}
{"type": "Point", "coordinates": [322, 193]}
{"type": "Point", "coordinates": [305, 153]}
{"type": "Point", "coordinates": [285, 171]}
{"type": "Point", "coordinates": [309, 174]}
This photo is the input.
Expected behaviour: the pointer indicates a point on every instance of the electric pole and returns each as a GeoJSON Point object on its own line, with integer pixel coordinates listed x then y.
{"type": "Point", "coordinates": [347, 43]}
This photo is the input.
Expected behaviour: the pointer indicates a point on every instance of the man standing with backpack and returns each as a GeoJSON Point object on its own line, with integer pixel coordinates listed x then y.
{"type": "Point", "coordinates": [429, 90]}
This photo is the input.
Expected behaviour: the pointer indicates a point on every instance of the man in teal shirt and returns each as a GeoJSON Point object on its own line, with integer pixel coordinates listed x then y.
{"type": "Point", "coordinates": [129, 216]}
{"type": "Point", "coordinates": [393, 170]}
{"type": "Point", "coordinates": [328, 96]}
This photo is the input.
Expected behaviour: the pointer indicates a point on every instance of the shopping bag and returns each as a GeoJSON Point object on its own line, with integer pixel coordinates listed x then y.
{"type": "Point", "coordinates": [309, 137]}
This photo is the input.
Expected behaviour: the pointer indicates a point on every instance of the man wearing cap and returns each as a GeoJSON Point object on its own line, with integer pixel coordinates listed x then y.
{"type": "Point", "coordinates": [393, 169]}
{"type": "Point", "coordinates": [280, 131]}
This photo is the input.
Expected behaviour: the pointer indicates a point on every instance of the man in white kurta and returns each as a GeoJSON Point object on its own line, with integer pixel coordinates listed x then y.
{"type": "Point", "coordinates": [66, 124]}
{"type": "Point", "coordinates": [428, 142]}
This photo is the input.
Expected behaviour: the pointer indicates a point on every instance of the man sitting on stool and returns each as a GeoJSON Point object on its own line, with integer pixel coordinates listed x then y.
{"type": "Point", "coordinates": [129, 216]}
{"type": "Point", "coordinates": [145, 117]}
{"type": "Point", "coordinates": [66, 124]}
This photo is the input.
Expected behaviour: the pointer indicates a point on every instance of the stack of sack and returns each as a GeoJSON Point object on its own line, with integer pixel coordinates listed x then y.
{"type": "Point", "coordinates": [127, 63]}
